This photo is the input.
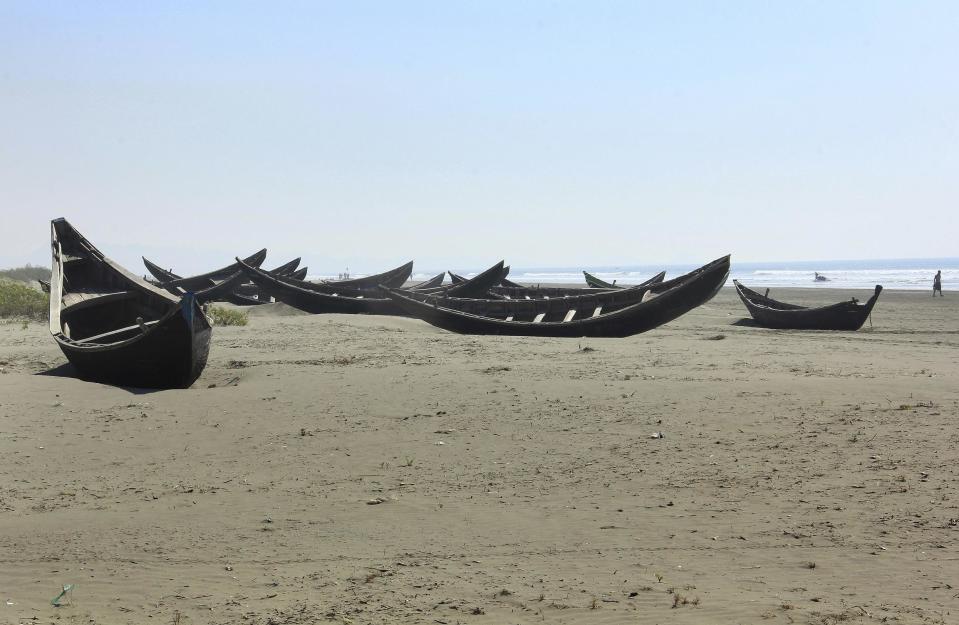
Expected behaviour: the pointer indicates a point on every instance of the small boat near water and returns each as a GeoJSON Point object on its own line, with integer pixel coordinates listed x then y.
{"type": "Point", "coordinates": [116, 328]}
{"type": "Point", "coordinates": [598, 283]}
{"type": "Point", "coordinates": [771, 313]}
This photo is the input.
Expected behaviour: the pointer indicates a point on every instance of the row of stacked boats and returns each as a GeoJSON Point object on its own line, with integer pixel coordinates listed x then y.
{"type": "Point", "coordinates": [117, 328]}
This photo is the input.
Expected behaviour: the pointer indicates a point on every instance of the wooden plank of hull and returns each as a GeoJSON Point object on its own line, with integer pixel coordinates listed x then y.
{"type": "Point", "coordinates": [771, 313]}
{"type": "Point", "coordinates": [680, 296]}
{"type": "Point", "coordinates": [146, 338]}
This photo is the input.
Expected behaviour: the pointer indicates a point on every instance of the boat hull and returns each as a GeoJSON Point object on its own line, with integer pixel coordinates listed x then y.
{"type": "Point", "coordinates": [681, 296]}
{"type": "Point", "coordinates": [770, 313]}
{"type": "Point", "coordinates": [172, 354]}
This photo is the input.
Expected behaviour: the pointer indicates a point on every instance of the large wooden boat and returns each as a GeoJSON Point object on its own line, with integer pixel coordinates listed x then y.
{"type": "Point", "coordinates": [433, 283]}
{"type": "Point", "coordinates": [394, 279]}
{"type": "Point", "coordinates": [771, 313]}
{"type": "Point", "coordinates": [114, 327]}
{"type": "Point", "coordinates": [617, 313]}
{"type": "Point", "coordinates": [319, 298]}
{"type": "Point", "coordinates": [548, 292]}
{"type": "Point", "coordinates": [203, 280]}
{"type": "Point", "coordinates": [457, 279]}
{"type": "Point", "coordinates": [480, 284]}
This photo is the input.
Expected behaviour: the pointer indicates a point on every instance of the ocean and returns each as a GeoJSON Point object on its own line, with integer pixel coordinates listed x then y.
{"type": "Point", "coordinates": [911, 274]}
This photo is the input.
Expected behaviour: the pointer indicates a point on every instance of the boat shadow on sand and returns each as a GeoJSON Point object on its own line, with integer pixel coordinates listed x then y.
{"type": "Point", "coordinates": [66, 370]}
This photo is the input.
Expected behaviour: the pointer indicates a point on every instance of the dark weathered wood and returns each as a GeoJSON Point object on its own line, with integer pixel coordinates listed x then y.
{"type": "Point", "coordinates": [394, 278]}
{"type": "Point", "coordinates": [547, 292]}
{"type": "Point", "coordinates": [598, 283]}
{"type": "Point", "coordinates": [116, 328]}
{"type": "Point", "coordinates": [621, 312]}
{"type": "Point", "coordinates": [434, 282]}
{"type": "Point", "coordinates": [320, 298]}
{"type": "Point", "coordinates": [204, 280]}
{"type": "Point", "coordinates": [770, 313]}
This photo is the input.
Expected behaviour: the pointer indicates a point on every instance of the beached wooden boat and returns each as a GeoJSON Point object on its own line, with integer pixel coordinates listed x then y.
{"type": "Point", "coordinates": [599, 283]}
{"type": "Point", "coordinates": [114, 327]}
{"type": "Point", "coordinates": [771, 313]}
{"type": "Point", "coordinates": [457, 279]}
{"type": "Point", "coordinates": [617, 313]}
{"type": "Point", "coordinates": [286, 268]}
{"type": "Point", "coordinates": [480, 284]}
{"type": "Point", "coordinates": [548, 292]}
{"type": "Point", "coordinates": [433, 283]}
{"type": "Point", "coordinates": [204, 280]}
{"type": "Point", "coordinates": [299, 274]}
{"type": "Point", "coordinates": [319, 298]}
{"type": "Point", "coordinates": [394, 279]}
{"type": "Point", "coordinates": [233, 289]}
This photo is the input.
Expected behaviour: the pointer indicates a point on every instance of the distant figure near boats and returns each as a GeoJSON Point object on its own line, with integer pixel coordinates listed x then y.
{"type": "Point", "coordinates": [937, 283]}
{"type": "Point", "coordinates": [820, 277]}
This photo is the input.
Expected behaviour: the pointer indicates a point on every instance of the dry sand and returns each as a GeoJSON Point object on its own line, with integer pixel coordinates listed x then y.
{"type": "Point", "coordinates": [377, 470]}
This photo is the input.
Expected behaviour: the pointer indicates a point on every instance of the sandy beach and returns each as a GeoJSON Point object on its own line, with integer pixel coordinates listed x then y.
{"type": "Point", "coordinates": [353, 469]}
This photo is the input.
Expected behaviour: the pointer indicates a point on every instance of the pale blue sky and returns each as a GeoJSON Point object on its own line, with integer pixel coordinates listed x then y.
{"type": "Point", "coordinates": [363, 134]}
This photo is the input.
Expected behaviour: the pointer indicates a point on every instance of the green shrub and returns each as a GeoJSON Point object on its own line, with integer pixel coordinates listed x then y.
{"type": "Point", "coordinates": [226, 316]}
{"type": "Point", "coordinates": [19, 300]}
{"type": "Point", "coordinates": [27, 273]}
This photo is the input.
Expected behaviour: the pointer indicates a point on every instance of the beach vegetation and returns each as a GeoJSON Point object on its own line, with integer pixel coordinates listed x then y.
{"type": "Point", "coordinates": [18, 300]}
{"type": "Point", "coordinates": [227, 317]}
{"type": "Point", "coordinates": [26, 273]}
{"type": "Point", "coordinates": [681, 600]}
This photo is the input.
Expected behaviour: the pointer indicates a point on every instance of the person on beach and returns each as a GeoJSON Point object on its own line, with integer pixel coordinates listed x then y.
{"type": "Point", "coordinates": [937, 284]}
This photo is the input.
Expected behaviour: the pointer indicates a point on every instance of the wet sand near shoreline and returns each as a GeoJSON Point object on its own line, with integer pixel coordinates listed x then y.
{"type": "Point", "coordinates": [359, 469]}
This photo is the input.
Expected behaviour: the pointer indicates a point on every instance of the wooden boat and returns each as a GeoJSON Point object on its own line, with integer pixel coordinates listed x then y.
{"type": "Point", "coordinates": [394, 278]}
{"type": "Point", "coordinates": [599, 283]}
{"type": "Point", "coordinates": [547, 292]}
{"type": "Point", "coordinates": [456, 279]}
{"type": "Point", "coordinates": [319, 298]}
{"type": "Point", "coordinates": [204, 280]}
{"type": "Point", "coordinates": [770, 313]}
{"type": "Point", "coordinates": [618, 313]}
{"type": "Point", "coordinates": [299, 274]}
{"type": "Point", "coordinates": [231, 289]}
{"type": "Point", "coordinates": [116, 328]}
{"type": "Point", "coordinates": [433, 283]}
{"type": "Point", "coordinates": [480, 284]}
{"type": "Point", "coordinates": [286, 268]}
{"type": "Point", "coordinates": [476, 287]}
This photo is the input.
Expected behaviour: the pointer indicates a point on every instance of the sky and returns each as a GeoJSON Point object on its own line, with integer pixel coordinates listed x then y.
{"type": "Point", "coordinates": [365, 134]}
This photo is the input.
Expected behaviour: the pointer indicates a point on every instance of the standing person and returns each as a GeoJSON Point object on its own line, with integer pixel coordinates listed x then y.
{"type": "Point", "coordinates": [937, 284]}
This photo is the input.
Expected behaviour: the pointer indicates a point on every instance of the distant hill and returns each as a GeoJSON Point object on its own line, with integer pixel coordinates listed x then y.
{"type": "Point", "coordinates": [27, 273]}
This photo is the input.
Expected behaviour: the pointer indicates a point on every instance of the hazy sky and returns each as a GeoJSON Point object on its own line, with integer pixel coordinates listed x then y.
{"type": "Point", "coordinates": [364, 134]}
